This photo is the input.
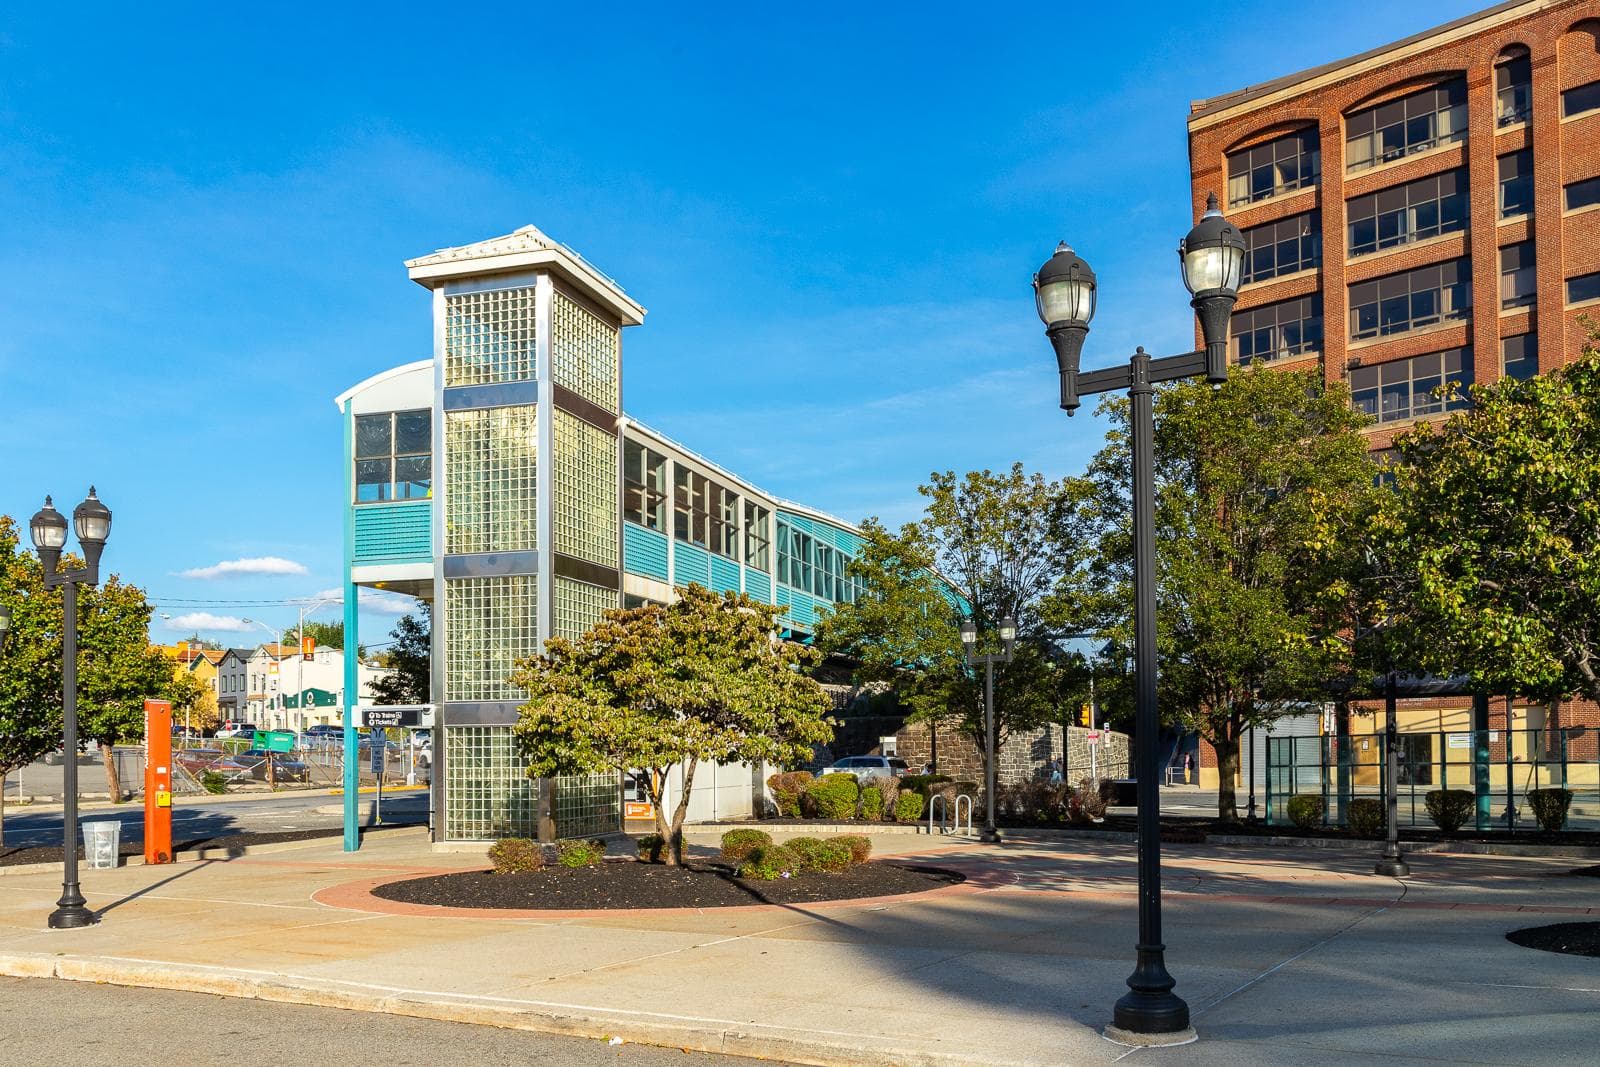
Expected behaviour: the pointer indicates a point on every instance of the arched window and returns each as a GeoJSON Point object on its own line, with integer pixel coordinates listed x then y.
{"type": "Point", "coordinates": [1513, 86]}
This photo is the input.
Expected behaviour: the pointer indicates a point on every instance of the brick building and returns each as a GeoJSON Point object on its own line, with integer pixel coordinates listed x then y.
{"type": "Point", "coordinates": [1425, 212]}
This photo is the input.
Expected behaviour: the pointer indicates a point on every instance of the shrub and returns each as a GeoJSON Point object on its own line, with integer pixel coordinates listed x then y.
{"type": "Point", "coordinates": [832, 855]}
{"type": "Point", "coordinates": [859, 846]}
{"type": "Point", "coordinates": [651, 846]}
{"type": "Point", "coordinates": [580, 853]}
{"type": "Point", "coordinates": [1305, 810]}
{"type": "Point", "coordinates": [807, 852]}
{"type": "Point", "coordinates": [908, 806]}
{"type": "Point", "coordinates": [1089, 800]}
{"type": "Point", "coordinates": [1550, 807]}
{"type": "Point", "coordinates": [786, 790]}
{"type": "Point", "coordinates": [769, 862]}
{"type": "Point", "coordinates": [889, 788]}
{"type": "Point", "coordinates": [516, 855]}
{"type": "Point", "coordinates": [737, 844]}
{"type": "Point", "coordinates": [1449, 808]}
{"type": "Point", "coordinates": [212, 782]}
{"type": "Point", "coordinates": [1367, 816]}
{"type": "Point", "coordinates": [872, 803]}
{"type": "Point", "coordinates": [920, 783]}
{"type": "Point", "coordinates": [834, 795]}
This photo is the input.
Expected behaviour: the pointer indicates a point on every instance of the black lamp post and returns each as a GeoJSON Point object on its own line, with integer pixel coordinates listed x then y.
{"type": "Point", "coordinates": [92, 521]}
{"type": "Point", "coordinates": [1212, 257]}
{"type": "Point", "coordinates": [969, 644]}
{"type": "Point", "coordinates": [1391, 863]}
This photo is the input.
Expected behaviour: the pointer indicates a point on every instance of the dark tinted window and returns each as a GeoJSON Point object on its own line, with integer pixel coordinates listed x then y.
{"type": "Point", "coordinates": [1278, 331]}
{"type": "Point", "coordinates": [1279, 166]}
{"type": "Point", "coordinates": [1283, 247]}
{"type": "Point", "coordinates": [1400, 302]}
{"type": "Point", "coordinates": [1586, 287]}
{"type": "Point", "coordinates": [1407, 388]}
{"type": "Point", "coordinates": [1519, 356]}
{"type": "Point", "coordinates": [1517, 275]}
{"type": "Point", "coordinates": [1413, 212]}
{"type": "Point", "coordinates": [1516, 183]}
{"type": "Point", "coordinates": [1583, 194]}
{"type": "Point", "coordinates": [1583, 98]}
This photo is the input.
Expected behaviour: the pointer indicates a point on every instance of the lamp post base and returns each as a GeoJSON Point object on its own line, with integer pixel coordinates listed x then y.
{"type": "Point", "coordinates": [1392, 867]}
{"type": "Point", "coordinates": [990, 836]}
{"type": "Point", "coordinates": [1152, 1015]}
{"type": "Point", "coordinates": [1138, 1040]}
{"type": "Point", "coordinates": [71, 917]}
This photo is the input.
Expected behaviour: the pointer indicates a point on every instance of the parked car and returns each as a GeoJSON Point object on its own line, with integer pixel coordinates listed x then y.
{"type": "Point", "coordinates": [87, 750]}
{"type": "Point", "coordinates": [285, 768]}
{"type": "Point", "coordinates": [322, 735]}
{"type": "Point", "coordinates": [236, 729]}
{"type": "Point", "coordinates": [869, 767]}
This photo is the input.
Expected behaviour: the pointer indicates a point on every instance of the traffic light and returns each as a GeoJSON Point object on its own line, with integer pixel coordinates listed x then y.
{"type": "Point", "coordinates": [1085, 716]}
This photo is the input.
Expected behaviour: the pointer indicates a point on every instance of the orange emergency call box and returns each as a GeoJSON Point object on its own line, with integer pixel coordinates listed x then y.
{"type": "Point", "coordinates": [157, 781]}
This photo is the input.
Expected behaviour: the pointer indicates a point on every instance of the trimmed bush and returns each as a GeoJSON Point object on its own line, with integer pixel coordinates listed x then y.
{"type": "Point", "coordinates": [651, 846]}
{"type": "Point", "coordinates": [516, 855]}
{"type": "Point", "coordinates": [769, 862]}
{"type": "Point", "coordinates": [908, 806]}
{"type": "Point", "coordinates": [737, 844]}
{"type": "Point", "coordinates": [1305, 810]}
{"type": "Point", "coordinates": [1449, 808]}
{"type": "Point", "coordinates": [806, 852]}
{"type": "Point", "coordinates": [859, 846]}
{"type": "Point", "coordinates": [890, 789]}
{"type": "Point", "coordinates": [872, 803]}
{"type": "Point", "coordinates": [212, 782]}
{"type": "Point", "coordinates": [787, 788]}
{"type": "Point", "coordinates": [1550, 807]}
{"type": "Point", "coordinates": [832, 855]}
{"type": "Point", "coordinates": [580, 853]}
{"type": "Point", "coordinates": [834, 795]}
{"type": "Point", "coordinates": [1367, 816]}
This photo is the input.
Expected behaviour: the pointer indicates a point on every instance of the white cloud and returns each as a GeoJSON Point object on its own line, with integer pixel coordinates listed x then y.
{"type": "Point", "coordinates": [230, 568]}
{"type": "Point", "coordinates": [204, 620]}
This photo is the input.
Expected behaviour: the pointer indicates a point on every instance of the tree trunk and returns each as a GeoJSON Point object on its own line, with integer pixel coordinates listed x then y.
{"type": "Point", "coordinates": [1227, 774]}
{"type": "Point", "coordinates": [108, 756]}
{"type": "Point", "coordinates": [3, 809]}
{"type": "Point", "coordinates": [656, 788]}
{"type": "Point", "coordinates": [675, 840]}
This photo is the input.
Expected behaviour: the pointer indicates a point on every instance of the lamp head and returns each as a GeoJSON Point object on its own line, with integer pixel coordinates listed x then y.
{"type": "Point", "coordinates": [1212, 257]}
{"type": "Point", "coordinates": [92, 521]}
{"type": "Point", "coordinates": [1064, 293]}
{"type": "Point", "coordinates": [1008, 629]}
{"type": "Point", "coordinates": [49, 529]}
{"type": "Point", "coordinates": [969, 633]}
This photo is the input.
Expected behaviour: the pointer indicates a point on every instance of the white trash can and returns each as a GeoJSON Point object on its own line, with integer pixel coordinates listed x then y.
{"type": "Point", "coordinates": [101, 843]}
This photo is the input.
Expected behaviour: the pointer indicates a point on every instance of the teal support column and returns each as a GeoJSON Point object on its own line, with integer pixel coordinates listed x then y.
{"type": "Point", "coordinates": [1480, 760]}
{"type": "Point", "coordinates": [352, 642]}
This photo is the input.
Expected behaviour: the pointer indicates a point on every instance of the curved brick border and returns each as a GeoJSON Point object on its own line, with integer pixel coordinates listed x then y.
{"type": "Point", "coordinates": [358, 896]}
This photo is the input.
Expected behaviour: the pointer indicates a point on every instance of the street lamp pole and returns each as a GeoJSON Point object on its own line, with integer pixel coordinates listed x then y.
{"type": "Point", "coordinates": [969, 641]}
{"type": "Point", "coordinates": [1392, 863]}
{"type": "Point", "coordinates": [1212, 258]}
{"type": "Point", "coordinates": [92, 522]}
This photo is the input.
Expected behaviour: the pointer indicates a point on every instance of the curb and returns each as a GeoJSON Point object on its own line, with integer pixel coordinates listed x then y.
{"type": "Point", "coordinates": [231, 853]}
{"type": "Point", "coordinates": [686, 1033]}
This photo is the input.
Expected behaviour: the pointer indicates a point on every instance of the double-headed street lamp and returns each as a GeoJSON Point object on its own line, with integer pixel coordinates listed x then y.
{"type": "Point", "coordinates": [969, 644]}
{"type": "Point", "coordinates": [1212, 257]}
{"type": "Point", "coordinates": [92, 521]}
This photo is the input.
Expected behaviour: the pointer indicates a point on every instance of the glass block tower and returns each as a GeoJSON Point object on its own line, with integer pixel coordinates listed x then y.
{"type": "Point", "coordinates": [527, 341]}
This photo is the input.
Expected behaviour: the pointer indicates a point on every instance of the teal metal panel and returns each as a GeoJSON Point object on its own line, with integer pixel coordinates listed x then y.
{"type": "Point", "coordinates": [690, 564]}
{"type": "Point", "coordinates": [724, 574]}
{"type": "Point", "coordinates": [392, 533]}
{"type": "Point", "coordinates": [644, 551]}
{"type": "Point", "coordinates": [758, 584]}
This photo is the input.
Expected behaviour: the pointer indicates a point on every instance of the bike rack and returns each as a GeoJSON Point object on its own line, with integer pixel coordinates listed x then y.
{"type": "Point", "coordinates": [946, 823]}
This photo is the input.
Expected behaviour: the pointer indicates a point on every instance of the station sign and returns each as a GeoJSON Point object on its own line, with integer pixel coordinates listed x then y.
{"type": "Point", "coordinates": [396, 716]}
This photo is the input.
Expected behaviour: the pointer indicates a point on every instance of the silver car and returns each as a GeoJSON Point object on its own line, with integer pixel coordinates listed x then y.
{"type": "Point", "coordinates": [865, 767]}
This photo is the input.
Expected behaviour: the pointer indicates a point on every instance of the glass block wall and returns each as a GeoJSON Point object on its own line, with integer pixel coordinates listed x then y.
{"type": "Point", "coordinates": [489, 337]}
{"type": "Point", "coordinates": [491, 624]}
{"type": "Point", "coordinates": [588, 805]}
{"type": "Point", "coordinates": [586, 517]}
{"type": "Point", "coordinates": [490, 503]}
{"type": "Point", "coordinates": [579, 606]}
{"type": "Point", "coordinates": [583, 352]}
{"type": "Point", "coordinates": [487, 791]}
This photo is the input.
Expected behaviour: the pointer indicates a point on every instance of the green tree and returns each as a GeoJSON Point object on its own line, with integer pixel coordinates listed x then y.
{"type": "Point", "coordinates": [702, 679]}
{"type": "Point", "coordinates": [409, 659]}
{"type": "Point", "coordinates": [1501, 524]}
{"type": "Point", "coordinates": [193, 702]}
{"type": "Point", "coordinates": [30, 661]}
{"type": "Point", "coordinates": [117, 669]}
{"type": "Point", "coordinates": [1258, 485]}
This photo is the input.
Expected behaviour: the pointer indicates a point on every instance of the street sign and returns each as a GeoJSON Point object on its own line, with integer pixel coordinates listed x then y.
{"type": "Point", "coordinates": [308, 649]}
{"type": "Point", "coordinates": [380, 747]}
{"type": "Point", "coordinates": [277, 740]}
{"type": "Point", "coordinates": [403, 716]}
{"type": "Point", "coordinates": [1093, 737]}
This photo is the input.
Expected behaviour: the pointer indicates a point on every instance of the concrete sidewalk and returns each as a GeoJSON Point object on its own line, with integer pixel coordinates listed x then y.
{"type": "Point", "coordinates": [1285, 956]}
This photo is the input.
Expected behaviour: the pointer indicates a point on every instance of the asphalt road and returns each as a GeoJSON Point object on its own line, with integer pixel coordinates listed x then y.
{"type": "Point", "coordinates": [51, 1021]}
{"type": "Point", "coordinates": [194, 817]}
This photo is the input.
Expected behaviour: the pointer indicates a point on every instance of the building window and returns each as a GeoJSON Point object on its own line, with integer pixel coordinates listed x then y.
{"type": "Point", "coordinates": [1516, 276]}
{"type": "Point", "coordinates": [644, 486]}
{"type": "Point", "coordinates": [1581, 99]}
{"type": "Point", "coordinates": [394, 456]}
{"type": "Point", "coordinates": [1283, 247]}
{"type": "Point", "coordinates": [1409, 388]}
{"type": "Point", "coordinates": [794, 557]}
{"type": "Point", "coordinates": [694, 496]}
{"type": "Point", "coordinates": [491, 471]}
{"type": "Point", "coordinates": [1278, 331]}
{"type": "Point", "coordinates": [1415, 123]}
{"type": "Point", "coordinates": [489, 337]}
{"type": "Point", "coordinates": [1384, 459]}
{"type": "Point", "coordinates": [724, 522]}
{"type": "Point", "coordinates": [1583, 288]}
{"type": "Point", "coordinates": [491, 624]}
{"type": "Point", "coordinates": [757, 541]}
{"type": "Point", "coordinates": [585, 475]}
{"type": "Point", "coordinates": [1513, 87]}
{"type": "Point", "coordinates": [1519, 356]}
{"type": "Point", "coordinates": [1409, 301]}
{"type": "Point", "coordinates": [1583, 194]}
{"type": "Point", "coordinates": [583, 352]}
{"type": "Point", "coordinates": [1411, 212]}
{"type": "Point", "coordinates": [1279, 166]}
{"type": "Point", "coordinates": [1516, 183]}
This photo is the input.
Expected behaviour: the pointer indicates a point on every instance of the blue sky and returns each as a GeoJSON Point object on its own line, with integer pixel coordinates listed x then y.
{"type": "Point", "coordinates": [831, 212]}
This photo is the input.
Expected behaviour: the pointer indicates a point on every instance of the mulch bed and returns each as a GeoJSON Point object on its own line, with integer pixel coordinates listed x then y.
{"type": "Point", "coordinates": [630, 884]}
{"type": "Point", "coordinates": [1572, 939]}
{"type": "Point", "coordinates": [52, 853]}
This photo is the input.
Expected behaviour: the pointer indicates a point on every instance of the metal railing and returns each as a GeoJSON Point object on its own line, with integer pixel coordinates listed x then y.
{"type": "Point", "coordinates": [947, 824]}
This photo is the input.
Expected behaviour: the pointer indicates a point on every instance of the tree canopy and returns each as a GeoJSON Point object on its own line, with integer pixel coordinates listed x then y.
{"type": "Point", "coordinates": [704, 678]}
{"type": "Point", "coordinates": [409, 660]}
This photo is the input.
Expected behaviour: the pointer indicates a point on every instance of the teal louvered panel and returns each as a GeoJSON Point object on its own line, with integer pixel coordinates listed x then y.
{"type": "Point", "coordinates": [644, 552]}
{"type": "Point", "coordinates": [393, 533]}
{"type": "Point", "coordinates": [690, 565]}
{"type": "Point", "coordinates": [724, 575]}
{"type": "Point", "coordinates": [758, 584]}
